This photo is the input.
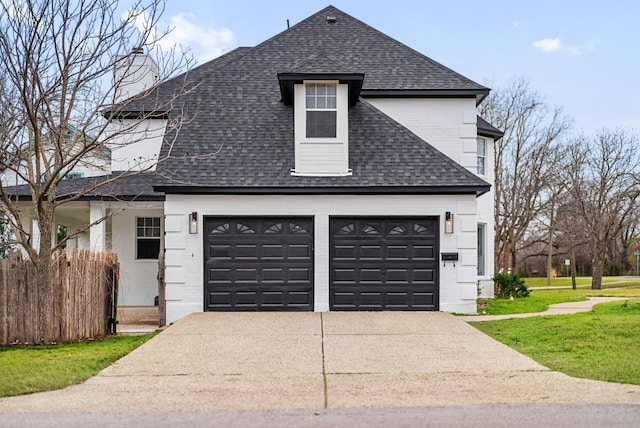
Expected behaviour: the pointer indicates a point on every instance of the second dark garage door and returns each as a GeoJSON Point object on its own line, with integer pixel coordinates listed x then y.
{"type": "Point", "coordinates": [258, 263]}
{"type": "Point", "coordinates": [384, 264]}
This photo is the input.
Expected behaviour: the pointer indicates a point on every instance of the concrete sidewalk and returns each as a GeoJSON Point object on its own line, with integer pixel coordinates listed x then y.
{"type": "Point", "coordinates": [557, 309]}
{"type": "Point", "coordinates": [252, 361]}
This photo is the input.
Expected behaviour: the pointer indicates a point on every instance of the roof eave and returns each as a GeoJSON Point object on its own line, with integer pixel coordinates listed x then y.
{"type": "Point", "coordinates": [490, 134]}
{"type": "Point", "coordinates": [478, 94]}
{"type": "Point", "coordinates": [124, 198]}
{"type": "Point", "coordinates": [288, 80]}
{"type": "Point", "coordinates": [359, 190]}
{"type": "Point", "coordinates": [114, 114]}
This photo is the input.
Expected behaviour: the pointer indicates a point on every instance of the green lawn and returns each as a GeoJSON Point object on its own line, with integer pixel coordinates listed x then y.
{"type": "Point", "coordinates": [603, 344]}
{"type": "Point", "coordinates": [584, 281]}
{"type": "Point", "coordinates": [27, 369]}
{"type": "Point", "coordinates": [539, 300]}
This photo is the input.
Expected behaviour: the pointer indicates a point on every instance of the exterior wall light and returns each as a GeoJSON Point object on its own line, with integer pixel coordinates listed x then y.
{"type": "Point", "coordinates": [193, 222]}
{"type": "Point", "coordinates": [448, 222]}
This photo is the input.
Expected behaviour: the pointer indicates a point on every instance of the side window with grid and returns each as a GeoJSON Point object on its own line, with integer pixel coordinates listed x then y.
{"type": "Point", "coordinates": [147, 237]}
{"type": "Point", "coordinates": [321, 105]}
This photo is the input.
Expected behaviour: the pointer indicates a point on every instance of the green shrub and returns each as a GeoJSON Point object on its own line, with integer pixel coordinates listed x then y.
{"type": "Point", "coordinates": [509, 285]}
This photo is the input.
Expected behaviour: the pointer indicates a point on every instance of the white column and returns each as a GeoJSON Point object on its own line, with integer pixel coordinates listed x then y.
{"type": "Point", "coordinates": [97, 211]}
{"type": "Point", "coordinates": [321, 263]}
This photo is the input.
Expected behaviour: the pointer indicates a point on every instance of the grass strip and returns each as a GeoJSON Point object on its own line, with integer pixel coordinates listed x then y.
{"type": "Point", "coordinates": [539, 300]}
{"type": "Point", "coordinates": [602, 344]}
{"type": "Point", "coordinates": [34, 368]}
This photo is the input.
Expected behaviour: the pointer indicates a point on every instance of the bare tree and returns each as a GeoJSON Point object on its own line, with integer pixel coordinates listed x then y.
{"type": "Point", "coordinates": [522, 167]}
{"type": "Point", "coordinates": [603, 181]}
{"type": "Point", "coordinates": [56, 71]}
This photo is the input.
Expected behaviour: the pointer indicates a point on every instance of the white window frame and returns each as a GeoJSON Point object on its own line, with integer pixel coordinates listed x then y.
{"type": "Point", "coordinates": [151, 227]}
{"type": "Point", "coordinates": [482, 249]}
{"type": "Point", "coordinates": [481, 158]}
{"type": "Point", "coordinates": [330, 103]}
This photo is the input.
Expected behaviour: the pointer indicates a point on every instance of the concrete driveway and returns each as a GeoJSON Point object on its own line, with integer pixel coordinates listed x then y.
{"type": "Point", "coordinates": [251, 361]}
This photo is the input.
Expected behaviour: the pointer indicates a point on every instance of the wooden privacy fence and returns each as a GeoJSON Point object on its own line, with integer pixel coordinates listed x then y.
{"type": "Point", "coordinates": [80, 300]}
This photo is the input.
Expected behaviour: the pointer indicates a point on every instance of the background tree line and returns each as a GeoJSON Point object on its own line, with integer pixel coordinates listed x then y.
{"type": "Point", "coordinates": [561, 195]}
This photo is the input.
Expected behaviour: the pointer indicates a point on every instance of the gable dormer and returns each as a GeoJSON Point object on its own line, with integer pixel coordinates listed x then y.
{"type": "Point", "coordinates": [321, 91]}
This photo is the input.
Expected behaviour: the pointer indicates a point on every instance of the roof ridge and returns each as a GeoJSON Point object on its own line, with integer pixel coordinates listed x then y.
{"type": "Point", "coordinates": [415, 52]}
{"type": "Point", "coordinates": [418, 139]}
{"type": "Point", "coordinates": [294, 26]}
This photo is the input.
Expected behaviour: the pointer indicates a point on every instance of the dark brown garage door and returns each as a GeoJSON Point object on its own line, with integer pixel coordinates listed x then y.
{"type": "Point", "coordinates": [384, 264]}
{"type": "Point", "coordinates": [257, 264]}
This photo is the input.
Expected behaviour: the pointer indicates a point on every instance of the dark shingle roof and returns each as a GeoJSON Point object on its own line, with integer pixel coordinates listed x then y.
{"type": "Point", "coordinates": [260, 155]}
{"type": "Point", "coordinates": [488, 130]}
{"type": "Point", "coordinates": [239, 135]}
{"type": "Point", "coordinates": [117, 185]}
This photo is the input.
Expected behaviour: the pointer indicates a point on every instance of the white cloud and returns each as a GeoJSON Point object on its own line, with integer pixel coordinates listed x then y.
{"type": "Point", "coordinates": [551, 45]}
{"type": "Point", "coordinates": [515, 24]}
{"type": "Point", "coordinates": [547, 45]}
{"type": "Point", "coordinates": [205, 42]}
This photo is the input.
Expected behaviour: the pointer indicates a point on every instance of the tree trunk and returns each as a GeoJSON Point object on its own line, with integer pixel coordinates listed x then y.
{"type": "Point", "coordinates": [574, 268]}
{"type": "Point", "coordinates": [550, 254]}
{"type": "Point", "coordinates": [44, 285]}
{"type": "Point", "coordinates": [598, 267]}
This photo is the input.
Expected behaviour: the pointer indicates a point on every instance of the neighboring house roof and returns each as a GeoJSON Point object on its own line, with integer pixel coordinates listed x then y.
{"type": "Point", "coordinates": [125, 186]}
{"type": "Point", "coordinates": [485, 129]}
{"type": "Point", "coordinates": [240, 137]}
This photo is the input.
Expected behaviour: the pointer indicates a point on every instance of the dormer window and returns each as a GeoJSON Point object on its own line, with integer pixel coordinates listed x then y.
{"type": "Point", "coordinates": [320, 104]}
{"type": "Point", "coordinates": [321, 110]}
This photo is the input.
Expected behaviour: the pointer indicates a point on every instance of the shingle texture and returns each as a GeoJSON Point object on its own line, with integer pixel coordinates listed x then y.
{"type": "Point", "coordinates": [487, 129]}
{"type": "Point", "coordinates": [240, 133]}
{"type": "Point", "coordinates": [118, 185]}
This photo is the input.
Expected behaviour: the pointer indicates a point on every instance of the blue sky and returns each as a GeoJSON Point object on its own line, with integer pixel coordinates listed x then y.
{"type": "Point", "coordinates": [581, 55]}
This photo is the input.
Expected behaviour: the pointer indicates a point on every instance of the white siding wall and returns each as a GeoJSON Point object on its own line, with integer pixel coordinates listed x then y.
{"type": "Point", "coordinates": [138, 278]}
{"type": "Point", "coordinates": [138, 147]}
{"type": "Point", "coordinates": [449, 125]}
{"type": "Point", "coordinates": [184, 251]}
{"type": "Point", "coordinates": [321, 156]}
{"type": "Point", "coordinates": [486, 207]}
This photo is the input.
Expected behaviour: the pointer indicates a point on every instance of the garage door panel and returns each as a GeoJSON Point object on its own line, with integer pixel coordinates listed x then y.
{"type": "Point", "coordinates": [371, 252]}
{"type": "Point", "coordinates": [300, 275]}
{"type": "Point", "coordinates": [246, 298]}
{"type": "Point", "coordinates": [371, 275]}
{"type": "Point", "coordinates": [424, 275]}
{"type": "Point", "coordinates": [273, 251]}
{"type": "Point", "coordinates": [345, 275]}
{"type": "Point", "coordinates": [299, 299]}
{"type": "Point", "coordinates": [398, 252]}
{"type": "Point", "coordinates": [398, 275]}
{"type": "Point", "coordinates": [219, 252]}
{"type": "Point", "coordinates": [345, 252]}
{"type": "Point", "coordinates": [246, 252]}
{"type": "Point", "coordinates": [272, 297]}
{"type": "Point", "coordinates": [384, 264]}
{"type": "Point", "coordinates": [258, 264]}
{"type": "Point", "coordinates": [425, 300]}
{"type": "Point", "coordinates": [371, 301]}
{"type": "Point", "coordinates": [299, 251]}
{"type": "Point", "coordinates": [424, 252]}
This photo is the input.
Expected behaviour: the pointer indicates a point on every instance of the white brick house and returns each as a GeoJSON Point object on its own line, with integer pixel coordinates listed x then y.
{"type": "Point", "coordinates": [328, 168]}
